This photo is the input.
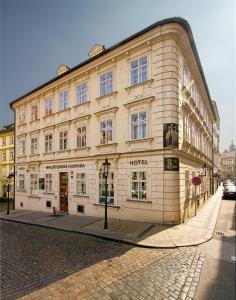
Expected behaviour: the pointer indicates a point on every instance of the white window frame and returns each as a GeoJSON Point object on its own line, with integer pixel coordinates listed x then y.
{"type": "Point", "coordinates": [34, 145]}
{"type": "Point", "coordinates": [48, 106]}
{"type": "Point", "coordinates": [48, 142]}
{"type": "Point", "coordinates": [22, 149]}
{"type": "Point", "coordinates": [48, 183]}
{"type": "Point", "coordinates": [80, 184]}
{"type": "Point", "coordinates": [186, 75]}
{"type": "Point", "coordinates": [139, 77]}
{"type": "Point", "coordinates": [139, 124]}
{"type": "Point", "coordinates": [106, 83]}
{"type": "Point", "coordinates": [82, 93]}
{"type": "Point", "coordinates": [21, 182]}
{"type": "Point", "coordinates": [21, 115]}
{"type": "Point", "coordinates": [34, 184]}
{"type": "Point", "coordinates": [104, 132]}
{"type": "Point", "coordinates": [139, 191]}
{"type": "Point", "coordinates": [81, 136]}
{"type": "Point", "coordinates": [11, 140]}
{"type": "Point", "coordinates": [12, 155]}
{"type": "Point", "coordinates": [63, 140]}
{"type": "Point", "coordinates": [63, 100]}
{"type": "Point", "coordinates": [34, 112]}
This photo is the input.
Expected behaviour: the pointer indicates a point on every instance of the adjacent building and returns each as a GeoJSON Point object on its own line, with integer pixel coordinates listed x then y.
{"type": "Point", "coordinates": [6, 158]}
{"type": "Point", "coordinates": [228, 163]}
{"type": "Point", "coordinates": [144, 104]}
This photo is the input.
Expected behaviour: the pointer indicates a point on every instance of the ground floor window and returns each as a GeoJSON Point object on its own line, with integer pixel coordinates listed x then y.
{"type": "Point", "coordinates": [21, 182]}
{"type": "Point", "coordinates": [138, 186]}
{"type": "Point", "coordinates": [102, 188]}
{"type": "Point", "coordinates": [33, 184]}
{"type": "Point", "coordinates": [48, 183]}
{"type": "Point", "coordinates": [81, 184]}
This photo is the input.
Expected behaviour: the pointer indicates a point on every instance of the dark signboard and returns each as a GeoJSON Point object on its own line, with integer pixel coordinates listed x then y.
{"type": "Point", "coordinates": [171, 164]}
{"type": "Point", "coordinates": [170, 136]}
{"type": "Point", "coordinates": [41, 183]}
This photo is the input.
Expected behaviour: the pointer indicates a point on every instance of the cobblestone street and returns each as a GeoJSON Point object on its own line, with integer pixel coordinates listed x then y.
{"type": "Point", "coordinates": [50, 264]}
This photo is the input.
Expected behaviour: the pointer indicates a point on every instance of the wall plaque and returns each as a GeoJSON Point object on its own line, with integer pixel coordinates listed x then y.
{"type": "Point", "coordinates": [171, 164]}
{"type": "Point", "coordinates": [170, 136]}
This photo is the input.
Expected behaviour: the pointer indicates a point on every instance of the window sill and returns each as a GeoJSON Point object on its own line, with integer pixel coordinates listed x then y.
{"type": "Point", "coordinates": [105, 145]}
{"type": "Point", "coordinates": [81, 196]}
{"type": "Point", "coordinates": [139, 200]}
{"type": "Point", "coordinates": [65, 150]}
{"type": "Point", "coordinates": [64, 110]}
{"type": "Point", "coordinates": [147, 100]}
{"type": "Point", "coordinates": [21, 191]}
{"type": "Point", "coordinates": [34, 196]}
{"type": "Point", "coordinates": [81, 104]}
{"type": "Point", "coordinates": [146, 140]}
{"type": "Point", "coordinates": [48, 116]}
{"type": "Point", "coordinates": [108, 205]}
{"type": "Point", "coordinates": [143, 83]}
{"type": "Point", "coordinates": [49, 193]}
{"type": "Point", "coordinates": [34, 154]}
{"type": "Point", "coordinates": [21, 156]}
{"type": "Point", "coordinates": [34, 121]}
{"type": "Point", "coordinates": [107, 95]}
{"type": "Point", "coordinates": [47, 153]}
{"type": "Point", "coordinates": [82, 148]}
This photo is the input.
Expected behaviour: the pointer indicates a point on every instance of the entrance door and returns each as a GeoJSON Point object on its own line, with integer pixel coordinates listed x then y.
{"type": "Point", "coordinates": [64, 191]}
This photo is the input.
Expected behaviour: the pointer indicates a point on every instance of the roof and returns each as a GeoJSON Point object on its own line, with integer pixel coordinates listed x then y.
{"type": "Point", "coordinates": [182, 22]}
{"type": "Point", "coordinates": [7, 128]}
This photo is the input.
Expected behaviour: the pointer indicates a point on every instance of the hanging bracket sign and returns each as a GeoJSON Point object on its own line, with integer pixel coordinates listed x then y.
{"type": "Point", "coordinates": [196, 180]}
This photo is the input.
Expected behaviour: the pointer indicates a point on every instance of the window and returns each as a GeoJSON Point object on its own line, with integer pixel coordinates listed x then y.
{"type": "Point", "coordinates": [4, 156]}
{"type": "Point", "coordinates": [22, 146]}
{"type": "Point", "coordinates": [48, 183]}
{"type": "Point", "coordinates": [186, 75]}
{"type": "Point", "coordinates": [4, 172]}
{"type": "Point", "coordinates": [81, 93]}
{"type": "Point", "coordinates": [81, 137]}
{"type": "Point", "coordinates": [48, 107]}
{"type": "Point", "coordinates": [139, 70]}
{"type": "Point", "coordinates": [11, 155]}
{"type": "Point", "coordinates": [106, 83]}
{"type": "Point", "coordinates": [187, 185]}
{"type": "Point", "coordinates": [21, 182]}
{"type": "Point", "coordinates": [11, 140]}
{"type": "Point", "coordinates": [81, 184]}
{"type": "Point", "coordinates": [21, 116]}
{"type": "Point", "coordinates": [139, 126]}
{"type": "Point", "coordinates": [106, 132]}
{"type": "Point", "coordinates": [186, 128]}
{"type": "Point", "coordinates": [33, 184]}
{"type": "Point", "coordinates": [4, 141]}
{"type": "Point", "coordinates": [64, 100]}
{"type": "Point", "coordinates": [193, 134]}
{"type": "Point", "coordinates": [102, 187]}
{"type": "Point", "coordinates": [34, 145]}
{"type": "Point", "coordinates": [63, 140]}
{"type": "Point", "coordinates": [192, 91]}
{"type": "Point", "coordinates": [34, 112]}
{"type": "Point", "coordinates": [48, 143]}
{"type": "Point", "coordinates": [138, 186]}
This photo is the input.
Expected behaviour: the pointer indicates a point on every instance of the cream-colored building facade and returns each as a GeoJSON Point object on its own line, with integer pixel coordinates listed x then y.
{"type": "Point", "coordinates": [144, 104]}
{"type": "Point", "coordinates": [6, 159]}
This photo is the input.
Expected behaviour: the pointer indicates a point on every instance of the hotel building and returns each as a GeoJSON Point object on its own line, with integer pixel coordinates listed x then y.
{"type": "Point", "coordinates": [144, 104]}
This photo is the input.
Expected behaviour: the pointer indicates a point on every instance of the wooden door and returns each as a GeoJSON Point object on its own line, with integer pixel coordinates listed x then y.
{"type": "Point", "coordinates": [64, 191]}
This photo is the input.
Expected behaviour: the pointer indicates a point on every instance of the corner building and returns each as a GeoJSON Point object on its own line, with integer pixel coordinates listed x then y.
{"type": "Point", "coordinates": [144, 104]}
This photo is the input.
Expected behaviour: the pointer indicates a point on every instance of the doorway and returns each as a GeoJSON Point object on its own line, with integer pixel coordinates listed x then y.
{"type": "Point", "coordinates": [64, 192]}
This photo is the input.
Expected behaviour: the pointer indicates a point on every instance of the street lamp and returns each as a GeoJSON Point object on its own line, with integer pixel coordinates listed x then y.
{"type": "Point", "coordinates": [106, 166]}
{"type": "Point", "coordinates": [9, 177]}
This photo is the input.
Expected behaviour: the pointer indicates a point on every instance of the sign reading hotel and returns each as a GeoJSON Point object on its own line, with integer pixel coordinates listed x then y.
{"type": "Point", "coordinates": [138, 162]}
{"type": "Point", "coordinates": [170, 136]}
{"type": "Point", "coordinates": [65, 166]}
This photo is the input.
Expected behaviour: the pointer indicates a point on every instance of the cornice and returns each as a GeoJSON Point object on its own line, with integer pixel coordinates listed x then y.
{"type": "Point", "coordinates": [106, 111]}
{"type": "Point", "coordinates": [147, 100]}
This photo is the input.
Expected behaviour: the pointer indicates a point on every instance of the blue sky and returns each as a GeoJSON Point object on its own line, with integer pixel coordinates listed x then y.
{"type": "Point", "coordinates": [39, 35]}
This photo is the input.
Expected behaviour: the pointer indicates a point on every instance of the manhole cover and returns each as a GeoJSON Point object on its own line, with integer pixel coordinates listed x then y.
{"type": "Point", "coordinates": [233, 258]}
{"type": "Point", "coordinates": [220, 233]}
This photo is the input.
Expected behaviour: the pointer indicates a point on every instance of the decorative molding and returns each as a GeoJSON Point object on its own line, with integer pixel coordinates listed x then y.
{"type": "Point", "coordinates": [83, 117]}
{"type": "Point", "coordinates": [144, 83]}
{"type": "Point", "coordinates": [48, 116]}
{"type": "Point", "coordinates": [106, 111]}
{"type": "Point", "coordinates": [106, 145]}
{"type": "Point", "coordinates": [147, 100]}
{"type": "Point", "coordinates": [139, 200]}
{"type": "Point", "coordinates": [81, 104]}
{"type": "Point", "coordinates": [107, 95]}
{"type": "Point", "coordinates": [146, 140]}
{"type": "Point", "coordinates": [64, 110]}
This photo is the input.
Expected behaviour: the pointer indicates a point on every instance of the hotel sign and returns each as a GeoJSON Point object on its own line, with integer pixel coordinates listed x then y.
{"type": "Point", "coordinates": [138, 162]}
{"type": "Point", "coordinates": [65, 166]}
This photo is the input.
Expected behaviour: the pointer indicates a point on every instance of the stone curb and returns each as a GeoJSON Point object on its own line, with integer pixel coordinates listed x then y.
{"type": "Point", "coordinates": [206, 237]}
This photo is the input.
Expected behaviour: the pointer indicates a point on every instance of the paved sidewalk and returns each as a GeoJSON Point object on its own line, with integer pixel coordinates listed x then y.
{"type": "Point", "coordinates": [194, 231]}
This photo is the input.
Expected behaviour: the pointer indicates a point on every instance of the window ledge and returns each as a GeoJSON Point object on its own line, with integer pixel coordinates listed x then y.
{"type": "Point", "coordinates": [82, 148]}
{"type": "Point", "coordinates": [21, 191]}
{"type": "Point", "coordinates": [34, 196]}
{"type": "Point", "coordinates": [65, 150]}
{"type": "Point", "coordinates": [82, 196]}
{"type": "Point", "coordinates": [108, 205]}
{"type": "Point", "coordinates": [34, 154]}
{"type": "Point", "coordinates": [47, 153]}
{"type": "Point", "coordinates": [34, 121]}
{"type": "Point", "coordinates": [48, 116]}
{"type": "Point", "coordinates": [81, 104]}
{"type": "Point", "coordinates": [139, 200]}
{"type": "Point", "coordinates": [146, 82]}
{"type": "Point", "coordinates": [149, 140]}
{"type": "Point", "coordinates": [21, 156]}
{"type": "Point", "coordinates": [63, 110]}
{"type": "Point", "coordinates": [50, 193]}
{"type": "Point", "coordinates": [147, 100]}
{"type": "Point", "coordinates": [107, 95]}
{"type": "Point", "coordinates": [105, 145]}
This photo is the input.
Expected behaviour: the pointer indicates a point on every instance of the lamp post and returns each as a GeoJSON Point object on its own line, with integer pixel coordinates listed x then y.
{"type": "Point", "coordinates": [106, 166]}
{"type": "Point", "coordinates": [8, 191]}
